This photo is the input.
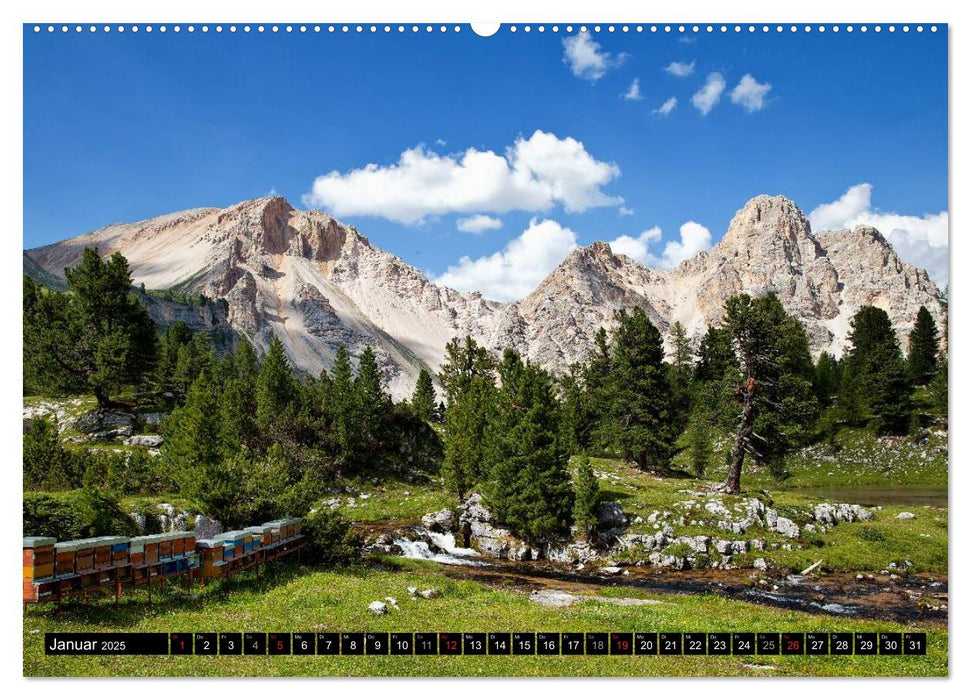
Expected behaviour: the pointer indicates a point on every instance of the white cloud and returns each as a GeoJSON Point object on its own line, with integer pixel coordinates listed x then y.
{"type": "Point", "coordinates": [666, 108]}
{"type": "Point", "coordinates": [710, 93]}
{"type": "Point", "coordinates": [694, 238]}
{"type": "Point", "coordinates": [680, 69]}
{"type": "Point", "coordinates": [439, 142]}
{"type": "Point", "coordinates": [624, 211]}
{"type": "Point", "coordinates": [750, 93]}
{"type": "Point", "coordinates": [533, 174]}
{"type": "Point", "coordinates": [478, 224]}
{"type": "Point", "coordinates": [918, 240]}
{"type": "Point", "coordinates": [586, 59]}
{"type": "Point", "coordinates": [633, 92]}
{"type": "Point", "coordinates": [517, 269]}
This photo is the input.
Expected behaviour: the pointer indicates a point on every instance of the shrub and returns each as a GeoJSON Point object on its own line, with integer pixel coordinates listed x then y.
{"type": "Point", "coordinates": [74, 514]}
{"type": "Point", "coordinates": [331, 540]}
{"type": "Point", "coordinates": [47, 465]}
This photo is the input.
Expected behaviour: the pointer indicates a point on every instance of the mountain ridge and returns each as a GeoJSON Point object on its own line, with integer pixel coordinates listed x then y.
{"type": "Point", "coordinates": [317, 283]}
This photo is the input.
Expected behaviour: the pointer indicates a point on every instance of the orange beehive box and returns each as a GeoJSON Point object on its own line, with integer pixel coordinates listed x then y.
{"type": "Point", "coordinates": [151, 549]}
{"type": "Point", "coordinates": [164, 547]}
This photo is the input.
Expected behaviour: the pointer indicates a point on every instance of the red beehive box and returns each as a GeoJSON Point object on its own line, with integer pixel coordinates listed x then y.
{"type": "Point", "coordinates": [164, 547]}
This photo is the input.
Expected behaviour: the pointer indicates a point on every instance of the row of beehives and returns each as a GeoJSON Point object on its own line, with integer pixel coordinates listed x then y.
{"type": "Point", "coordinates": [96, 561]}
{"type": "Point", "coordinates": [228, 547]}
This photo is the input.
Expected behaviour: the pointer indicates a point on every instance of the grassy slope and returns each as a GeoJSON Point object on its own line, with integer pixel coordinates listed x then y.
{"type": "Point", "coordinates": [337, 601]}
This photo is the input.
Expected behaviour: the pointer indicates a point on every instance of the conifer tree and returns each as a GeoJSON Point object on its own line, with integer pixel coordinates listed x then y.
{"type": "Point", "coordinates": [645, 422]}
{"type": "Point", "coordinates": [275, 387]}
{"type": "Point", "coordinates": [423, 398]}
{"type": "Point", "coordinates": [468, 377]}
{"type": "Point", "coordinates": [528, 487]}
{"type": "Point", "coordinates": [923, 348]}
{"type": "Point", "coordinates": [586, 491]}
{"type": "Point", "coordinates": [373, 405]}
{"type": "Point", "coordinates": [344, 409]}
{"type": "Point", "coordinates": [715, 355]}
{"type": "Point", "coordinates": [95, 337]}
{"type": "Point", "coordinates": [238, 400]}
{"type": "Point", "coordinates": [193, 435]}
{"type": "Point", "coordinates": [826, 379]}
{"type": "Point", "coordinates": [777, 402]}
{"type": "Point", "coordinates": [875, 382]}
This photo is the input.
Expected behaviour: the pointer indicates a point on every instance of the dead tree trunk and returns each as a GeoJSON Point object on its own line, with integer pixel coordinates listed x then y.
{"type": "Point", "coordinates": [733, 484]}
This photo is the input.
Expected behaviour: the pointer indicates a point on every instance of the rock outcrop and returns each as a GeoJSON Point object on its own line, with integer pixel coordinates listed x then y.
{"type": "Point", "coordinates": [317, 283]}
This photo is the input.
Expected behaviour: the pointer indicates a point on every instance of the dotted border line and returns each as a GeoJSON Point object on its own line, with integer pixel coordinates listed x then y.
{"type": "Point", "coordinates": [443, 29]}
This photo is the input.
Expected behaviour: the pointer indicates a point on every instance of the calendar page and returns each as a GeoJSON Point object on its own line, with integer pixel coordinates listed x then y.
{"type": "Point", "coordinates": [448, 349]}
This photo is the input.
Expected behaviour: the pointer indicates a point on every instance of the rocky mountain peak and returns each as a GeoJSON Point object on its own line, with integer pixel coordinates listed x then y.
{"type": "Point", "coordinates": [766, 217]}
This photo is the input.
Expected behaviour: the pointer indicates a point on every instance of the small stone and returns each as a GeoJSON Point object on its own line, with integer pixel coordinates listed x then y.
{"type": "Point", "coordinates": [430, 593]}
{"type": "Point", "coordinates": [412, 591]}
{"type": "Point", "coordinates": [378, 608]}
{"type": "Point", "coordinates": [906, 515]}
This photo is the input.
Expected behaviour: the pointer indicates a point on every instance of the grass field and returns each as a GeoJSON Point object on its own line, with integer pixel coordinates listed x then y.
{"type": "Point", "coordinates": [312, 601]}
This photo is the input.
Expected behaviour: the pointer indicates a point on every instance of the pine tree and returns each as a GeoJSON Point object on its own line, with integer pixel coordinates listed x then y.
{"type": "Point", "coordinates": [715, 355]}
{"type": "Point", "coordinates": [238, 401]}
{"type": "Point", "coordinates": [423, 398]}
{"type": "Point", "coordinates": [875, 385]}
{"type": "Point", "coordinates": [528, 487]}
{"type": "Point", "coordinates": [275, 387]}
{"type": "Point", "coordinates": [193, 435]}
{"type": "Point", "coordinates": [826, 379]}
{"type": "Point", "coordinates": [645, 421]}
{"type": "Point", "coordinates": [599, 395]}
{"type": "Point", "coordinates": [577, 421]}
{"type": "Point", "coordinates": [586, 491]}
{"type": "Point", "coordinates": [923, 348]}
{"type": "Point", "coordinates": [777, 402]}
{"type": "Point", "coordinates": [681, 374]}
{"type": "Point", "coordinates": [344, 409]}
{"type": "Point", "coordinates": [468, 377]}
{"type": "Point", "coordinates": [95, 337]}
{"type": "Point", "coordinates": [699, 446]}
{"type": "Point", "coordinates": [373, 405]}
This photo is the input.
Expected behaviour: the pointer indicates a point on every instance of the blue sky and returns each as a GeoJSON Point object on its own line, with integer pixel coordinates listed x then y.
{"type": "Point", "coordinates": [121, 127]}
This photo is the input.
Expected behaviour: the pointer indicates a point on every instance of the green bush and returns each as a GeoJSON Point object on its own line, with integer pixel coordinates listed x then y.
{"type": "Point", "coordinates": [870, 534]}
{"type": "Point", "coordinates": [47, 464]}
{"type": "Point", "coordinates": [74, 514]}
{"type": "Point", "coordinates": [331, 540]}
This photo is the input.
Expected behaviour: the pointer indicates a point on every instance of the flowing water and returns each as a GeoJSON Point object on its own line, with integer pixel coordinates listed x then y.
{"type": "Point", "coordinates": [935, 496]}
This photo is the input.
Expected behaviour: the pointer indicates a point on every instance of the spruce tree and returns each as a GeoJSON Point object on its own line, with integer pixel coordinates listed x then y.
{"type": "Point", "coordinates": [923, 348]}
{"type": "Point", "coordinates": [528, 487]}
{"type": "Point", "coordinates": [373, 405]}
{"type": "Point", "coordinates": [700, 450]}
{"type": "Point", "coordinates": [193, 435]}
{"type": "Point", "coordinates": [826, 379]}
{"type": "Point", "coordinates": [344, 409]}
{"type": "Point", "coordinates": [644, 419]}
{"type": "Point", "coordinates": [586, 491]}
{"type": "Point", "coordinates": [423, 398]}
{"type": "Point", "coordinates": [275, 387]}
{"type": "Point", "coordinates": [599, 395]}
{"type": "Point", "coordinates": [468, 377]}
{"type": "Point", "coordinates": [715, 355]}
{"type": "Point", "coordinates": [238, 401]}
{"type": "Point", "coordinates": [875, 374]}
{"type": "Point", "coordinates": [681, 374]}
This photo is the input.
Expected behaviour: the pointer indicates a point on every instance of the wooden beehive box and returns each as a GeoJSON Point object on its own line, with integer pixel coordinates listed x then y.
{"type": "Point", "coordinates": [64, 559]}
{"type": "Point", "coordinates": [151, 549]}
{"type": "Point", "coordinates": [38, 558]}
{"type": "Point", "coordinates": [136, 550]}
